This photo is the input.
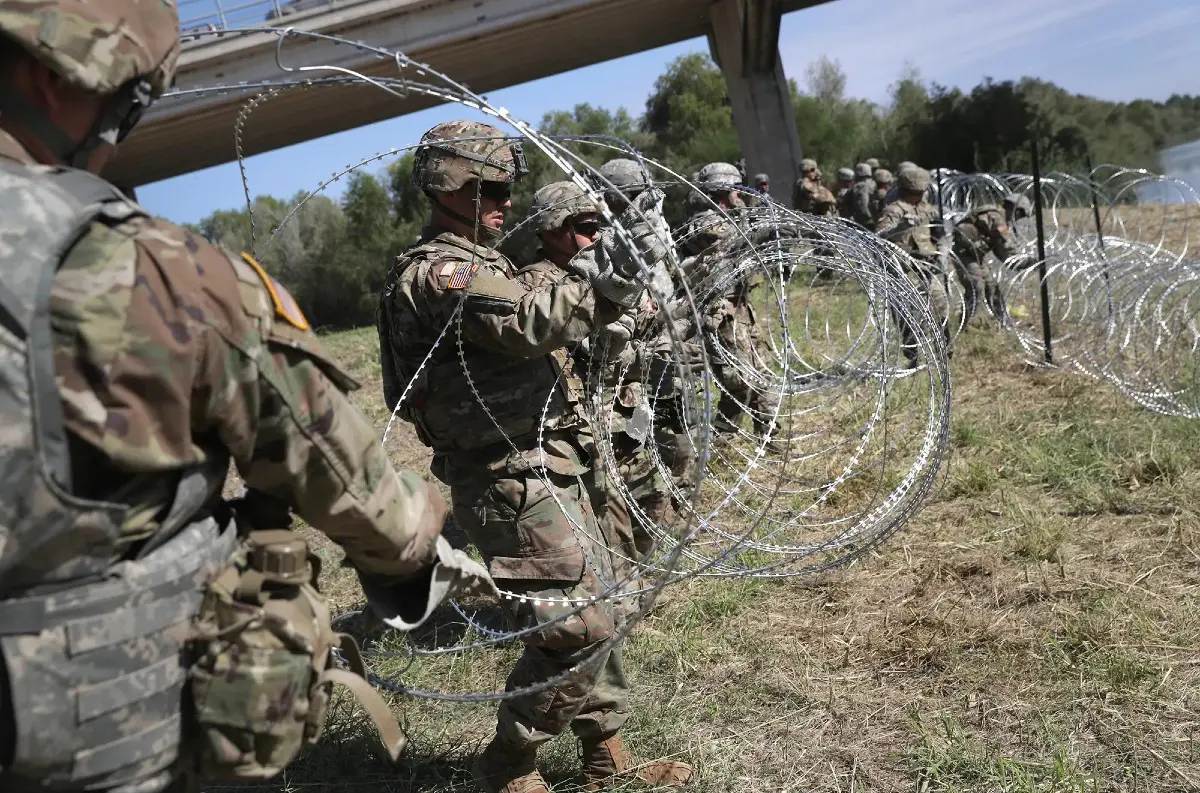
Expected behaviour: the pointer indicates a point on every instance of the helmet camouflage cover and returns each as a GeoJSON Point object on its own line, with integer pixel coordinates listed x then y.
{"type": "Point", "coordinates": [761, 179]}
{"type": "Point", "coordinates": [718, 176]}
{"type": "Point", "coordinates": [862, 171]}
{"type": "Point", "coordinates": [626, 175]}
{"type": "Point", "coordinates": [556, 203]}
{"type": "Point", "coordinates": [98, 46]}
{"type": "Point", "coordinates": [454, 153]}
{"type": "Point", "coordinates": [808, 164]}
{"type": "Point", "coordinates": [914, 180]}
{"type": "Point", "coordinates": [1019, 203]}
{"type": "Point", "coordinates": [882, 176]}
{"type": "Point", "coordinates": [845, 174]}
{"type": "Point", "coordinates": [871, 161]}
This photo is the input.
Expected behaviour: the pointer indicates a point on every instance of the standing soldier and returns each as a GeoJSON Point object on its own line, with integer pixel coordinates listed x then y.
{"type": "Point", "coordinates": [857, 203]}
{"type": "Point", "coordinates": [809, 195]}
{"type": "Point", "coordinates": [883, 186]}
{"type": "Point", "coordinates": [136, 361]}
{"type": "Point", "coordinates": [567, 221]}
{"type": "Point", "coordinates": [731, 326]}
{"type": "Point", "coordinates": [984, 230]}
{"type": "Point", "coordinates": [845, 180]}
{"type": "Point", "coordinates": [510, 439]}
{"type": "Point", "coordinates": [762, 183]}
{"type": "Point", "coordinates": [906, 223]}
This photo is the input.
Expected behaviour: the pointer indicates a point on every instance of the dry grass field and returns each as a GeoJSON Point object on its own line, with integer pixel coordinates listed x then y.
{"type": "Point", "coordinates": [1036, 627]}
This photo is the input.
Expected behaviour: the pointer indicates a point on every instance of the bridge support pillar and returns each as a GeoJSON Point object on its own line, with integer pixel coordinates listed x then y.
{"type": "Point", "coordinates": [744, 41]}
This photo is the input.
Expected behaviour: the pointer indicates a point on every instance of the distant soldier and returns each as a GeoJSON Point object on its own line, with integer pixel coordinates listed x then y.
{"type": "Point", "coordinates": [856, 204]}
{"type": "Point", "coordinates": [883, 186]}
{"type": "Point", "coordinates": [874, 163]}
{"type": "Point", "coordinates": [762, 184]}
{"type": "Point", "coordinates": [907, 223]}
{"type": "Point", "coordinates": [809, 195]}
{"type": "Point", "coordinates": [986, 230]}
{"type": "Point", "coordinates": [845, 180]}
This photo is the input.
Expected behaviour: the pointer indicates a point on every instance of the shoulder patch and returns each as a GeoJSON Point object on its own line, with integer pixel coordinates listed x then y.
{"type": "Point", "coordinates": [461, 275]}
{"type": "Point", "coordinates": [285, 305]}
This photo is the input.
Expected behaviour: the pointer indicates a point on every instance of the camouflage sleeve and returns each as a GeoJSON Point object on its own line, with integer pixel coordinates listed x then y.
{"type": "Point", "coordinates": [502, 315]}
{"type": "Point", "coordinates": [861, 202]}
{"type": "Point", "coordinates": [1000, 237]}
{"type": "Point", "coordinates": [178, 350]}
{"type": "Point", "coordinates": [890, 221]}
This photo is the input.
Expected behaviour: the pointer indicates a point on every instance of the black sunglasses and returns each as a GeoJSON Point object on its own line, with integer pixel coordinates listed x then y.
{"type": "Point", "coordinates": [496, 191]}
{"type": "Point", "coordinates": [588, 228]}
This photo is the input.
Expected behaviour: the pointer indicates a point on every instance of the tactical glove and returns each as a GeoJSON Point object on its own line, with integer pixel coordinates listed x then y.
{"type": "Point", "coordinates": [406, 604]}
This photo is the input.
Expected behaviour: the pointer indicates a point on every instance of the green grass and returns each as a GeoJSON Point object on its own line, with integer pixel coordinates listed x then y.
{"type": "Point", "coordinates": [1035, 628]}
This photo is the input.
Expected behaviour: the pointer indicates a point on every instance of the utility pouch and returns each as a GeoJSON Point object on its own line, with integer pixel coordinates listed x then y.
{"type": "Point", "coordinates": [264, 669]}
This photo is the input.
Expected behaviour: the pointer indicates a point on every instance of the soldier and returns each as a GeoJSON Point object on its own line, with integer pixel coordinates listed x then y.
{"type": "Point", "coordinates": [983, 230]}
{"type": "Point", "coordinates": [566, 220]}
{"type": "Point", "coordinates": [509, 437]}
{"type": "Point", "coordinates": [731, 327]}
{"type": "Point", "coordinates": [873, 162]}
{"type": "Point", "coordinates": [674, 444]}
{"type": "Point", "coordinates": [883, 187]}
{"type": "Point", "coordinates": [845, 180]}
{"type": "Point", "coordinates": [153, 359]}
{"type": "Point", "coordinates": [906, 223]}
{"type": "Point", "coordinates": [762, 183]}
{"type": "Point", "coordinates": [856, 205]}
{"type": "Point", "coordinates": [809, 194]}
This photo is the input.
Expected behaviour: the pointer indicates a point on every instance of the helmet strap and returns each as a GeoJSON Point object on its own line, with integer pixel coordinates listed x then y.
{"type": "Point", "coordinates": [110, 126]}
{"type": "Point", "coordinates": [481, 231]}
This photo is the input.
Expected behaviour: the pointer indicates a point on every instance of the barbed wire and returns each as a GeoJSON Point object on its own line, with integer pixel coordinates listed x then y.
{"type": "Point", "coordinates": [799, 322]}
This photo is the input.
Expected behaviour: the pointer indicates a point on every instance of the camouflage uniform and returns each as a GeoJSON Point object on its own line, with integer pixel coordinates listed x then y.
{"type": "Point", "coordinates": [883, 186]}
{"type": "Point", "coordinates": [169, 358]}
{"type": "Point", "coordinates": [499, 403]}
{"type": "Point", "coordinates": [982, 231]}
{"type": "Point", "coordinates": [845, 181]}
{"type": "Point", "coordinates": [809, 195]}
{"type": "Point", "coordinates": [730, 325]}
{"type": "Point", "coordinates": [910, 227]}
{"type": "Point", "coordinates": [857, 203]}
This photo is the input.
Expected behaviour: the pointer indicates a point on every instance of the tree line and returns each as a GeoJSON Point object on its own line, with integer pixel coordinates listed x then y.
{"type": "Point", "coordinates": [334, 255]}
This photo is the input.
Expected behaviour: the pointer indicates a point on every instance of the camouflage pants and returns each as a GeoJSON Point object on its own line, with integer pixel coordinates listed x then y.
{"type": "Point", "coordinates": [542, 539]}
{"type": "Point", "coordinates": [932, 285]}
{"type": "Point", "coordinates": [979, 286]}
{"type": "Point", "coordinates": [647, 487]}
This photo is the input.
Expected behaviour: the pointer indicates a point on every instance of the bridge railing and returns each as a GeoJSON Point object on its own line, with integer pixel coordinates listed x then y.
{"type": "Point", "coordinates": [196, 15]}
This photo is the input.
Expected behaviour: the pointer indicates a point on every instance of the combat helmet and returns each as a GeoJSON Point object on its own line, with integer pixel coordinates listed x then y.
{"type": "Point", "coordinates": [556, 203]}
{"type": "Point", "coordinates": [120, 48]}
{"type": "Point", "coordinates": [874, 163]}
{"type": "Point", "coordinates": [719, 177]}
{"type": "Point", "coordinates": [1019, 203]}
{"type": "Point", "coordinates": [808, 164]}
{"type": "Point", "coordinates": [626, 175]}
{"type": "Point", "coordinates": [914, 180]}
{"type": "Point", "coordinates": [862, 171]}
{"type": "Point", "coordinates": [454, 153]}
{"type": "Point", "coordinates": [761, 179]}
{"type": "Point", "coordinates": [845, 175]}
{"type": "Point", "coordinates": [905, 165]}
{"type": "Point", "coordinates": [882, 176]}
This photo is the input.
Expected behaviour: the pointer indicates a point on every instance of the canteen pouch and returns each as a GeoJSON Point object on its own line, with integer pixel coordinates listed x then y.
{"type": "Point", "coordinates": [264, 669]}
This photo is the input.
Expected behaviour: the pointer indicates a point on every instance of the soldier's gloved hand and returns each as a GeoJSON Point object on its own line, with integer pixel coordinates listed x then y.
{"type": "Point", "coordinates": [595, 264]}
{"type": "Point", "coordinates": [642, 220]}
{"type": "Point", "coordinates": [1021, 262]}
{"type": "Point", "coordinates": [619, 331]}
{"type": "Point", "coordinates": [405, 604]}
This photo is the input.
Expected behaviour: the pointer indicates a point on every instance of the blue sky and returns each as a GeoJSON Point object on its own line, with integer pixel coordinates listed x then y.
{"type": "Point", "coordinates": [1113, 49]}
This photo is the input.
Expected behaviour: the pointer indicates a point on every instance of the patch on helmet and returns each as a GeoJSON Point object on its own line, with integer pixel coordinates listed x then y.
{"type": "Point", "coordinates": [285, 305]}
{"type": "Point", "coordinates": [462, 275]}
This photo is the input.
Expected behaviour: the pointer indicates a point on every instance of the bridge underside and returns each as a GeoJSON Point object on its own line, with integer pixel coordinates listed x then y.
{"type": "Point", "coordinates": [509, 42]}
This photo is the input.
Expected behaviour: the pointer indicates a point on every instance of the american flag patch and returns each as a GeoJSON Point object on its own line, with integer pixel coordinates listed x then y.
{"type": "Point", "coordinates": [462, 275]}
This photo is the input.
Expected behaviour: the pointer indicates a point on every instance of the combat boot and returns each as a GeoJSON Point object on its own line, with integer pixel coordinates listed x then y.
{"type": "Point", "coordinates": [604, 762]}
{"type": "Point", "coordinates": [502, 769]}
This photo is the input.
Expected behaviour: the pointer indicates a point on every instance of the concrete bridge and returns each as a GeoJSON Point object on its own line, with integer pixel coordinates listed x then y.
{"type": "Point", "coordinates": [484, 44]}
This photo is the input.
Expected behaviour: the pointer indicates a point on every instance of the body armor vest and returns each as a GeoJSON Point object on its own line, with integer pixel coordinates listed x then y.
{"type": "Point", "coordinates": [92, 649]}
{"type": "Point", "coordinates": [478, 400]}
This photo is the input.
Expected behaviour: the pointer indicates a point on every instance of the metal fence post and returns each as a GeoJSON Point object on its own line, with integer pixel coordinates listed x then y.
{"type": "Point", "coordinates": [1041, 251]}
